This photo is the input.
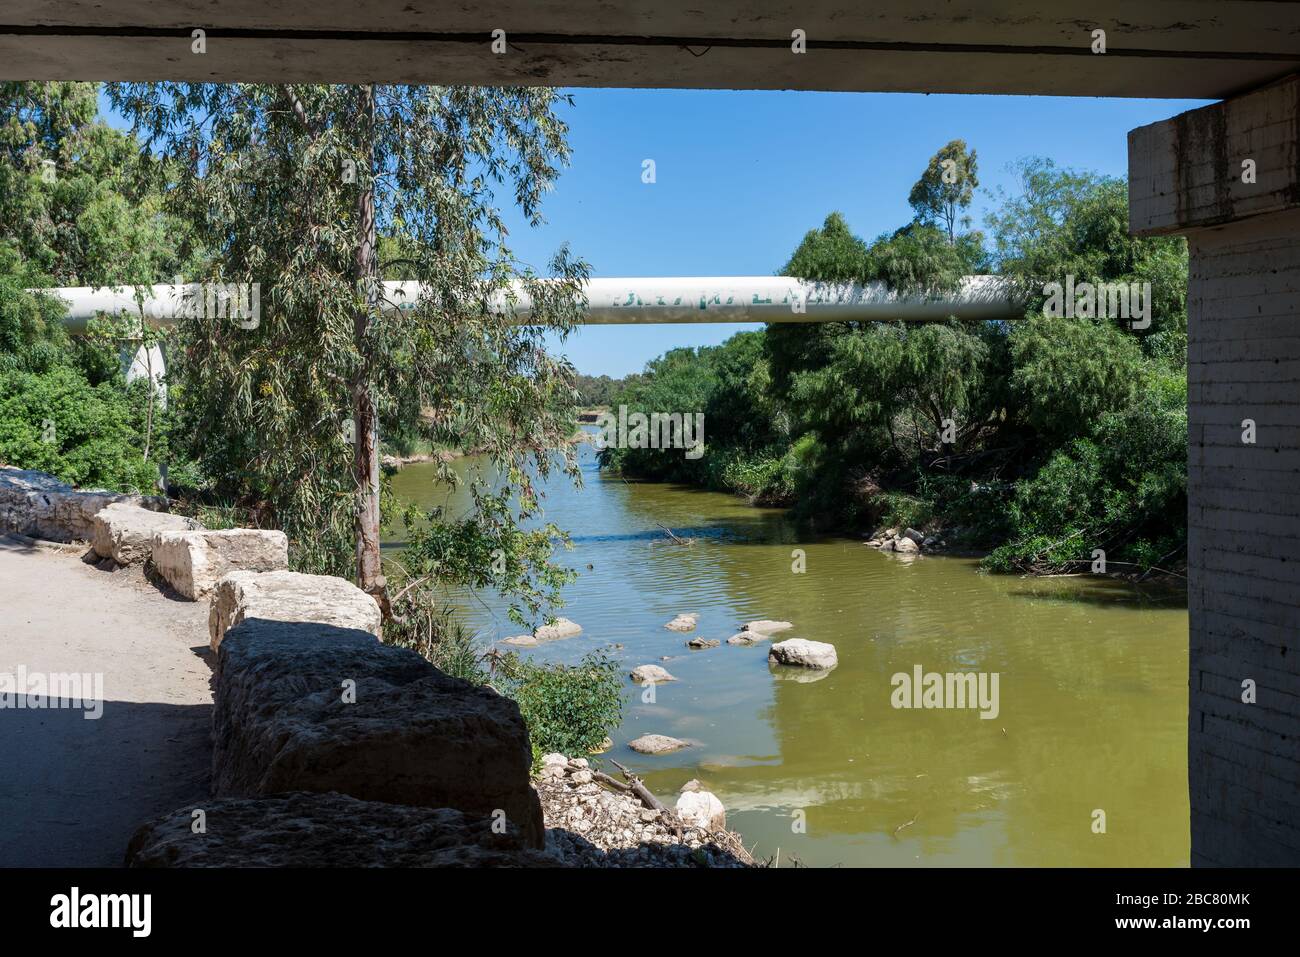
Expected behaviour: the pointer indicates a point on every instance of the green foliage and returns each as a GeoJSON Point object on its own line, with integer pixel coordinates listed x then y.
{"type": "Point", "coordinates": [85, 435]}
{"type": "Point", "coordinates": [596, 391]}
{"type": "Point", "coordinates": [1067, 372]}
{"type": "Point", "coordinates": [946, 187]}
{"type": "Point", "coordinates": [569, 709]}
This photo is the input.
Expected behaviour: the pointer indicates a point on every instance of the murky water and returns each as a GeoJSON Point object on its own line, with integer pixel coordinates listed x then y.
{"type": "Point", "coordinates": [1092, 687]}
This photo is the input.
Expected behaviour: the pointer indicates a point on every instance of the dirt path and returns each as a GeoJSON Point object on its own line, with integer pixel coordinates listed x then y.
{"type": "Point", "coordinates": [73, 789]}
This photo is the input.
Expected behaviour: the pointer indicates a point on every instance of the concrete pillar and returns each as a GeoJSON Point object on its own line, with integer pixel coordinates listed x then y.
{"type": "Point", "coordinates": [1228, 177]}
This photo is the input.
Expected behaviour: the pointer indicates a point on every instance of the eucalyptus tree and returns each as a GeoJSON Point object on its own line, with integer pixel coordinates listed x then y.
{"type": "Point", "coordinates": [946, 187]}
{"type": "Point", "coordinates": [298, 189]}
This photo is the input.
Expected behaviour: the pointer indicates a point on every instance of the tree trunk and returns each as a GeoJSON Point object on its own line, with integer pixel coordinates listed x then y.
{"type": "Point", "coordinates": [365, 462]}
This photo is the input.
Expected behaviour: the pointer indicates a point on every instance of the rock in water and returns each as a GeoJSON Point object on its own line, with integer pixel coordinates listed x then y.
{"type": "Point", "coordinates": [562, 628]}
{"type": "Point", "coordinates": [124, 532]}
{"type": "Point", "coordinates": [765, 626]}
{"type": "Point", "coordinates": [193, 562]}
{"type": "Point", "coordinates": [302, 706]}
{"type": "Point", "coordinates": [684, 622]}
{"type": "Point", "coordinates": [521, 641]}
{"type": "Point", "coordinates": [746, 638]}
{"type": "Point", "coordinates": [699, 643]}
{"type": "Point", "coordinates": [290, 596]}
{"type": "Point", "coordinates": [305, 829]}
{"type": "Point", "coordinates": [650, 674]}
{"type": "Point", "coordinates": [914, 535]}
{"type": "Point", "coordinates": [802, 653]}
{"type": "Point", "coordinates": [701, 809]}
{"type": "Point", "coordinates": [906, 546]}
{"type": "Point", "coordinates": [656, 744]}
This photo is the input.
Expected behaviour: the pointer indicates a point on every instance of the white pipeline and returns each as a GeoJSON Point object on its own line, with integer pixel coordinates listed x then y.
{"type": "Point", "coordinates": [609, 301]}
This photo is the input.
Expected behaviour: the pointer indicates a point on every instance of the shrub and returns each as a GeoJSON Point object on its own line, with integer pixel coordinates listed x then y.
{"type": "Point", "coordinates": [82, 434]}
{"type": "Point", "coordinates": [568, 708]}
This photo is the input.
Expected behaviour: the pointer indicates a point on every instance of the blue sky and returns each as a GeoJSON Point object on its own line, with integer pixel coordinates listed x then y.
{"type": "Point", "coordinates": [742, 175]}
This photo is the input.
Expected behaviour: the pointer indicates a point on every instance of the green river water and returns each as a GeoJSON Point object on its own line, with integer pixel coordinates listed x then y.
{"type": "Point", "coordinates": [1092, 685]}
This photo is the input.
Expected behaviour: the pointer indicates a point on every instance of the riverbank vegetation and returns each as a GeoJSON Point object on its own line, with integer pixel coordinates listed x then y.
{"type": "Point", "coordinates": [1038, 440]}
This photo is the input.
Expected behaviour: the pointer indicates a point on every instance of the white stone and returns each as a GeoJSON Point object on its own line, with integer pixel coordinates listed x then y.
{"type": "Point", "coordinates": [803, 653]}
{"type": "Point", "coordinates": [765, 626]}
{"type": "Point", "coordinates": [905, 546]}
{"type": "Point", "coordinates": [124, 532]}
{"type": "Point", "coordinates": [650, 674]}
{"type": "Point", "coordinates": [562, 628]}
{"type": "Point", "coordinates": [684, 622]}
{"type": "Point", "coordinates": [290, 596]}
{"type": "Point", "coordinates": [701, 809]}
{"type": "Point", "coordinates": [657, 744]}
{"type": "Point", "coordinates": [193, 562]}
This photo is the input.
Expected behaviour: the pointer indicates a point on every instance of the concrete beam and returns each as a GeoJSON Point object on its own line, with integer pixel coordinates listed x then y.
{"type": "Point", "coordinates": [1190, 172]}
{"type": "Point", "coordinates": [1175, 48]}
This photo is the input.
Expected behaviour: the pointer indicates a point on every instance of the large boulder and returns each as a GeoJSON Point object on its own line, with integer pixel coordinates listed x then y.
{"type": "Point", "coordinates": [650, 674]}
{"type": "Point", "coordinates": [560, 628]}
{"type": "Point", "coordinates": [702, 809]}
{"type": "Point", "coordinates": [290, 596]}
{"type": "Point", "coordinates": [657, 744]}
{"type": "Point", "coordinates": [304, 829]}
{"type": "Point", "coordinates": [302, 706]}
{"type": "Point", "coordinates": [40, 506]}
{"type": "Point", "coordinates": [803, 653]}
{"type": "Point", "coordinates": [124, 532]}
{"type": "Point", "coordinates": [193, 562]}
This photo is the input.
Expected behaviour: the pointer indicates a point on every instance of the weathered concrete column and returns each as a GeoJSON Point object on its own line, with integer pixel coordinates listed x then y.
{"type": "Point", "coordinates": [1228, 177]}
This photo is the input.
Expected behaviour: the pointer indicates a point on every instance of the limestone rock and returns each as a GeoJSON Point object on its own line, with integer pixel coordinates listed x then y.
{"type": "Point", "coordinates": [40, 506]}
{"type": "Point", "coordinates": [914, 535]}
{"type": "Point", "coordinates": [562, 628]}
{"type": "Point", "coordinates": [701, 809]}
{"type": "Point", "coordinates": [521, 641]}
{"type": "Point", "coordinates": [303, 706]}
{"type": "Point", "coordinates": [290, 596]}
{"type": "Point", "coordinates": [887, 545]}
{"type": "Point", "coordinates": [802, 653]}
{"type": "Point", "coordinates": [305, 829]}
{"type": "Point", "coordinates": [685, 622]}
{"type": "Point", "coordinates": [906, 546]}
{"type": "Point", "coordinates": [648, 674]}
{"type": "Point", "coordinates": [657, 744]}
{"type": "Point", "coordinates": [193, 562]}
{"type": "Point", "coordinates": [766, 626]}
{"type": "Point", "coordinates": [699, 643]}
{"type": "Point", "coordinates": [746, 638]}
{"type": "Point", "coordinates": [124, 532]}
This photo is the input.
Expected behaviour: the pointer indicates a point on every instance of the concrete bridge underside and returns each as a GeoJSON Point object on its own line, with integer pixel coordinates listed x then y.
{"type": "Point", "coordinates": [1187, 175]}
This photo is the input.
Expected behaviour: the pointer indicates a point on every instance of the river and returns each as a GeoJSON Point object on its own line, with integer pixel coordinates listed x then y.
{"type": "Point", "coordinates": [1092, 685]}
